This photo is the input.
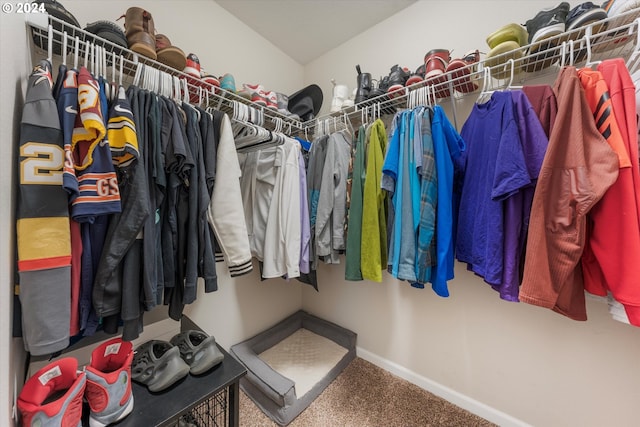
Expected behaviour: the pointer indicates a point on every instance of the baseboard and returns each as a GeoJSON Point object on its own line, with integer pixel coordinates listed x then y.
{"type": "Point", "coordinates": [458, 399]}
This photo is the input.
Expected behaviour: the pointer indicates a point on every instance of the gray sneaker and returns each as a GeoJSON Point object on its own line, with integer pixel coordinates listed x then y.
{"type": "Point", "coordinates": [198, 350]}
{"type": "Point", "coordinates": [158, 365]}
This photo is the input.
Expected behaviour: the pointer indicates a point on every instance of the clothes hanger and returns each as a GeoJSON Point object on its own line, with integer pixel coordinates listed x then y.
{"type": "Point", "coordinates": [510, 85]}
{"type": "Point", "coordinates": [76, 53]}
{"type": "Point", "coordinates": [50, 43]}
{"type": "Point", "coordinates": [486, 90]}
{"type": "Point", "coordinates": [587, 40]}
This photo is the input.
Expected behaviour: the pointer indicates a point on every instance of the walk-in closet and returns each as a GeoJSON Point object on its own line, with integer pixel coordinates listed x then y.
{"type": "Point", "coordinates": [350, 200]}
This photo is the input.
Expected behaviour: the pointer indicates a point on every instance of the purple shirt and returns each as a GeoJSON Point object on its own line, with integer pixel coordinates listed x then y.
{"type": "Point", "coordinates": [305, 228]}
{"type": "Point", "coordinates": [495, 168]}
{"type": "Point", "coordinates": [517, 208]}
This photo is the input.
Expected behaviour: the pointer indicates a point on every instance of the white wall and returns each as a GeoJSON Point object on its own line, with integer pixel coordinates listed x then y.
{"type": "Point", "coordinates": [13, 39]}
{"type": "Point", "coordinates": [523, 361]}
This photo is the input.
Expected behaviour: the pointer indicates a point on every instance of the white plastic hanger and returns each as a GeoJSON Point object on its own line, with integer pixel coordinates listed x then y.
{"type": "Point", "coordinates": [50, 43]}
{"type": "Point", "coordinates": [587, 40]}
{"type": "Point", "coordinates": [486, 82]}
{"type": "Point", "coordinates": [510, 84]}
{"type": "Point", "coordinates": [65, 40]}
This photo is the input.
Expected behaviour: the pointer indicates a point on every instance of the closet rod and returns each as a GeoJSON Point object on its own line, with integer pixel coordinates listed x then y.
{"type": "Point", "coordinates": [616, 36]}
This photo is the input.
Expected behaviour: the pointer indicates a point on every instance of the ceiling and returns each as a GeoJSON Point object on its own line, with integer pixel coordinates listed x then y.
{"type": "Point", "coordinates": [306, 29]}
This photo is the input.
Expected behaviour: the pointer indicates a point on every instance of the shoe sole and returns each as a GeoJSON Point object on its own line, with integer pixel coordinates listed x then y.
{"type": "Point", "coordinates": [460, 75]}
{"type": "Point", "coordinates": [510, 32]}
{"type": "Point", "coordinates": [589, 17]}
{"type": "Point", "coordinates": [96, 423]}
{"type": "Point", "coordinates": [498, 57]}
{"type": "Point", "coordinates": [173, 57]}
{"type": "Point", "coordinates": [545, 33]}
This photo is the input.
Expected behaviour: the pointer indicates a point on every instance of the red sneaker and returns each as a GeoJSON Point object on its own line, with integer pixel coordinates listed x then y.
{"type": "Point", "coordinates": [52, 397]}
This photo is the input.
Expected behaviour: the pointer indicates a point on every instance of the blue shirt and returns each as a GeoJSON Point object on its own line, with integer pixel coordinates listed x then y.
{"type": "Point", "coordinates": [447, 148]}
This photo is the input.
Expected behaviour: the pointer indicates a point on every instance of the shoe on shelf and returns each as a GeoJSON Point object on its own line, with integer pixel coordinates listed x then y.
{"type": "Point", "coordinates": [257, 94]}
{"type": "Point", "coordinates": [584, 15]}
{"type": "Point", "coordinates": [340, 94]}
{"type": "Point", "coordinates": [436, 62]}
{"type": "Point", "coordinates": [140, 32]}
{"type": "Point", "coordinates": [396, 80]}
{"type": "Point", "coordinates": [579, 18]}
{"type": "Point", "coordinates": [417, 76]}
{"type": "Point", "coordinates": [498, 59]}
{"type": "Point", "coordinates": [211, 80]}
{"type": "Point", "coordinates": [109, 31]}
{"type": "Point", "coordinates": [272, 100]}
{"type": "Point", "coordinates": [506, 43]}
{"type": "Point", "coordinates": [363, 85]}
{"type": "Point", "coordinates": [228, 83]}
{"type": "Point", "coordinates": [547, 23]}
{"type": "Point", "coordinates": [198, 349]}
{"type": "Point", "coordinates": [510, 32]}
{"type": "Point", "coordinates": [168, 54]}
{"type": "Point", "coordinates": [53, 395]}
{"type": "Point", "coordinates": [158, 365]}
{"type": "Point", "coordinates": [464, 72]}
{"type": "Point", "coordinates": [544, 30]}
{"type": "Point", "coordinates": [192, 66]}
{"type": "Point", "coordinates": [109, 382]}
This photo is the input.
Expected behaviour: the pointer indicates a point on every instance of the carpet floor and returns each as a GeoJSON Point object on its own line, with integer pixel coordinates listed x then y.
{"type": "Point", "coordinates": [364, 395]}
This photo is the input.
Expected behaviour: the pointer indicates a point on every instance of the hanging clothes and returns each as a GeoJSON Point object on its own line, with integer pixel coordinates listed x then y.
{"type": "Point", "coordinates": [517, 207]}
{"type": "Point", "coordinates": [613, 244]}
{"type": "Point", "coordinates": [494, 169]}
{"type": "Point", "coordinates": [271, 195]}
{"type": "Point", "coordinates": [403, 182]}
{"type": "Point", "coordinates": [426, 233]}
{"type": "Point", "coordinates": [373, 246]}
{"type": "Point", "coordinates": [42, 226]}
{"type": "Point", "coordinates": [448, 147]}
{"type": "Point", "coordinates": [331, 211]}
{"type": "Point", "coordinates": [579, 166]}
{"type": "Point", "coordinates": [225, 212]}
{"type": "Point", "coordinates": [116, 286]}
{"type": "Point", "coordinates": [353, 257]}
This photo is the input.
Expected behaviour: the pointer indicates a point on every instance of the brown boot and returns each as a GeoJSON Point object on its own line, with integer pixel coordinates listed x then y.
{"type": "Point", "coordinates": [168, 54]}
{"type": "Point", "coordinates": [140, 32]}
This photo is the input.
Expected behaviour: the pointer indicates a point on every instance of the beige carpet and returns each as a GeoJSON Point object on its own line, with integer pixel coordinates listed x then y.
{"type": "Point", "coordinates": [365, 395]}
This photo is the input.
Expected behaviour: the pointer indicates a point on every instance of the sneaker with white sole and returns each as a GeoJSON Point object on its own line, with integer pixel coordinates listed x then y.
{"type": "Point", "coordinates": [548, 23]}
{"type": "Point", "coordinates": [52, 397]}
{"type": "Point", "coordinates": [158, 365]}
{"type": "Point", "coordinates": [109, 382]}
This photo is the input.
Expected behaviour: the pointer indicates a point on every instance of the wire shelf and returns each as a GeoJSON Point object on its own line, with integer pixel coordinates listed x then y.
{"type": "Point", "coordinates": [124, 63]}
{"type": "Point", "coordinates": [613, 37]}
{"type": "Point", "coordinates": [616, 36]}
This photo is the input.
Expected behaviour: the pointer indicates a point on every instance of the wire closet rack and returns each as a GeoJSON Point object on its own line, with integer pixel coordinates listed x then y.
{"type": "Point", "coordinates": [616, 36]}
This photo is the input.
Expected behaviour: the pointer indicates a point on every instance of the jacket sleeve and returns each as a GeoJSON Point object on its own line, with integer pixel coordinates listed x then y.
{"type": "Point", "coordinates": [325, 202]}
{"type": "Point", "coordinates": [343, 155]}
{"type": "Point", "coordinates": [226, 213]}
